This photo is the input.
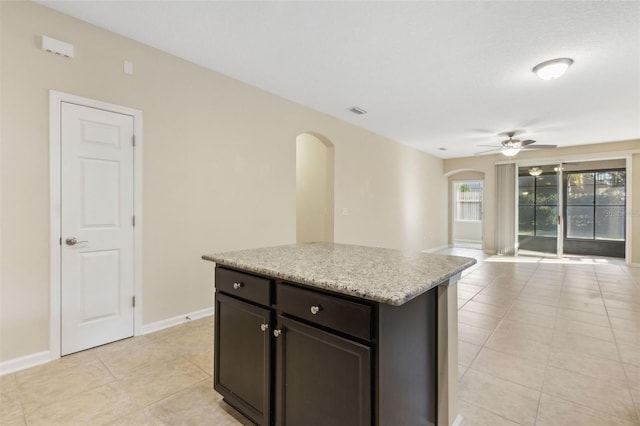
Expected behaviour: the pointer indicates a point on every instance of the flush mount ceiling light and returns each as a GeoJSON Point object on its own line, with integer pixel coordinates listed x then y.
{"type": "Point", "coordinates": [535, 171]}
{"type": "Point", "coordinates": [550, 70]}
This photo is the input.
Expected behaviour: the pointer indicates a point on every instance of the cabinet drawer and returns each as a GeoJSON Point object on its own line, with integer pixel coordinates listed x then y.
{"type": "Point", "coordinates": [245, 286]}
{"type": "Point", "coordinates": [330, 311]}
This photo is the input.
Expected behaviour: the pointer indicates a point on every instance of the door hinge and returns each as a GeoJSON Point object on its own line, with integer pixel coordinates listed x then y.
{"type": "Point", "coordinates": [133, 140]}
{"type": "Point", "coordinates": [133, 220]}
{"type": "Point", "coordinates": [134, 301]}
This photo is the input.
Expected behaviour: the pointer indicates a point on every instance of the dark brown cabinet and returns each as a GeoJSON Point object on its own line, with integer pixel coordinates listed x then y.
{"type": "Point", "coordinates": [242, 362]}
{"type": "Point", "coordinates": [287, 354]}
{"type": "Point", "coordinates": [321, 378]}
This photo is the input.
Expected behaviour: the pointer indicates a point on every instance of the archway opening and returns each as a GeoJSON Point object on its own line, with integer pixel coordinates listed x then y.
{"type": "Point", "coordinates": [314, 188]}
{"type": "Point", "coordinates": [466, 224]}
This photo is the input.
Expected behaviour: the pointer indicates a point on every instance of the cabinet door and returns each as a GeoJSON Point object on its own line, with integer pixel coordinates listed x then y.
{"type": "Point", "coordinates": [321, 379]}
{"type": "Point", "coordinates": [242, 357]}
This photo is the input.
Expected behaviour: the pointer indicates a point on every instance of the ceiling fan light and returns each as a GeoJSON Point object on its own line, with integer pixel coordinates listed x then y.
{"type": "Point", "coordinates": [550, 70]}
{"type": "Point", "coordinates": [510, 152]}
{"type": "Point", "coordinates": [535, 171]}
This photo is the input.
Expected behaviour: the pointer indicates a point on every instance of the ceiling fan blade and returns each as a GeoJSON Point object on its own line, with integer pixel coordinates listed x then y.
{"type": "Point", "coordinates": [510, 133]}
{"type": "Point", "coordinates": [540, 147]}
{"type": "Point", "coordinates": [490, 150]}
{"type": "Point", "coordinates": [493, 146]}
{"type": "Point", "coordinates": [526, 142]}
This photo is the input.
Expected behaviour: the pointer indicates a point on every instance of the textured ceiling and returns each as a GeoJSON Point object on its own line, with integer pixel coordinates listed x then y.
{"type": "Point", "coordinates": [432, 74]}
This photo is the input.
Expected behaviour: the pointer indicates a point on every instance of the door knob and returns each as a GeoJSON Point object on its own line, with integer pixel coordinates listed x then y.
{"type": "Point", "coordinates": [71, 241]}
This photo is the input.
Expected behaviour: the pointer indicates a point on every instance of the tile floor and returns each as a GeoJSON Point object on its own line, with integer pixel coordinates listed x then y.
{"type": "Point", "coordinates": [549, 342]}
{"type": "Point", "coordinates": [163, 378]}
{"type": "Point", "coordinates": [542, 342]}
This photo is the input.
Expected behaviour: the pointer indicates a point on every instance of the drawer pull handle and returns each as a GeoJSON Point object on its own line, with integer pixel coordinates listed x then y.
{"type": "Point", "coordinates": [277, 333]}
{"type": "Point", "coordinates": [237, 285]}
{"type": "Point", "coordinates": [264, 327]}
{"type": "Point", "coordinates": [315, 309]}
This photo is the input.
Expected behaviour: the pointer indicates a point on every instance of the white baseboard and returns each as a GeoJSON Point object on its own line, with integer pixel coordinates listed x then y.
{"type": "Point", "coordinates": [24, 362]}
{"type": "Point", "coordinates": [28, 361]}
{"type": "Point", "coordinates": [434, 249]}
{"type": "Point", "coordinates": [177, 320]}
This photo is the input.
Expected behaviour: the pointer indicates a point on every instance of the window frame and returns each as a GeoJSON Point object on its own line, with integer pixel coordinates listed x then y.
{"type": "Point", "coordinates": [594, 203]}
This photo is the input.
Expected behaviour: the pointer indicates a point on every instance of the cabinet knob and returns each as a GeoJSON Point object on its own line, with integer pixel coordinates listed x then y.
{"type": "Point", "coordinates": [264, 327]}
{"type": "Point", "coordinates": [277, 333]}
{"type": "Point", "coordinates": [237, 285]}
{"type": "Point", "coordinates": [315, 309]}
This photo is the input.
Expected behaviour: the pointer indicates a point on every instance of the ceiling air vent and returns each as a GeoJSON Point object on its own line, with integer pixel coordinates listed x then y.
{"type": "Point", "coordinates": [357, 110]}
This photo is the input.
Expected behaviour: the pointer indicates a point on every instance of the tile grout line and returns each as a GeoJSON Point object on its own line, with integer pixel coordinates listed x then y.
{"type": "Point", "coordinates": [602, 413]}
{"type": "Point", "coordinates": [546, 365]}
{"type": "Point", "coordinates": [628, 381]}
{"type": "Point", "coordinates": [611, 380]}
{"type": "Point", "coordinates": [511, 303]}
{"type": "Point", "coordinates": [467, 367]}
{"type": "Point", "coordinates": [492, 412]}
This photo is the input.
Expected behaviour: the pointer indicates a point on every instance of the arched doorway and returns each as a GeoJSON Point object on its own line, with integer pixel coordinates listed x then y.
{"type": "Point", "coordinates": [314, 188]}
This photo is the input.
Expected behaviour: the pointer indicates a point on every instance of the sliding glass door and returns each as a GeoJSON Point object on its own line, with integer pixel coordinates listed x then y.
{"type": "Point", "coordinates": [539, 204]}
{"type": "Point", "coordinates": [595, 212]}
{"type": "Point", "coordinates": [572, 208]}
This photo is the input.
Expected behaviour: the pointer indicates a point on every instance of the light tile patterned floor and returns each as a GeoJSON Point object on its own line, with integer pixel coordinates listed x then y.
{"type": "Point", "coordinates": [549, 342]}
{"type": "Point", "coordinates": [542, 342]}
{"type": "Point", "coordinates": [164, 378]}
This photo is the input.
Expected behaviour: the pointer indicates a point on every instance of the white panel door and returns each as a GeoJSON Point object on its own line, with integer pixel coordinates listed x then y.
{"type": "Point", "coordinates": [97, 270]}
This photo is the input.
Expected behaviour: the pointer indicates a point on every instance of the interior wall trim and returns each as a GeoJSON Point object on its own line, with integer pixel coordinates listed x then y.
{"type": "Point", "coordinates": [24, 362]}
{"type": "Point", "coordinates": [434, 249]}
{"type": "Point", "coordinates": [177, 320]}
{"type": "Point", "coordinates": [39, 358]}
{"type": "Point", "coordinates": [563, 158]}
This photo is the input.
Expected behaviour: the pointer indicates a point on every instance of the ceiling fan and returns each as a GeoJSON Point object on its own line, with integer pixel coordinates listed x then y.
{"type": "Point", "coordinates": [511, 147]}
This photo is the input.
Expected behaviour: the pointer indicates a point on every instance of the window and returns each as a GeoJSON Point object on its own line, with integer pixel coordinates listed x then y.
{"type": "Point", "coordinates": [469, 201]}
{"type": "Point", "coordinates": [538, 205]}
{"type": "Point", "coordinates": [596, 205]}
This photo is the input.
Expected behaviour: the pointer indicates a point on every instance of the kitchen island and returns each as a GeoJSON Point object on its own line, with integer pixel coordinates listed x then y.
{"type": "Point", "coordinates": [336, 334]}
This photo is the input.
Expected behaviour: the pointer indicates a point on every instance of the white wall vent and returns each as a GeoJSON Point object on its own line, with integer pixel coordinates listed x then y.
{"type": "Point", "coordinates": [56, 46]}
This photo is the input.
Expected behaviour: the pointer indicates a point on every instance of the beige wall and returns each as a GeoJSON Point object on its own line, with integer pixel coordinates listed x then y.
{"type": "Point", "coordinates": [635, 212]}
{"type": "Point", "coordinates": [218, 170]}
{"type": "Point", "coordinates": [391, 195]}
{"type": "Point", "coordinates": [486, 164]}
{"type": "Point", "coordinates": [314, 190]}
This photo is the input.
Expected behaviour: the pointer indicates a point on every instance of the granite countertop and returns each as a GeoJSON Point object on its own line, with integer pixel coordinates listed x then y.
{"type": "Point", "coordinates": [377, 274]}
